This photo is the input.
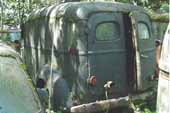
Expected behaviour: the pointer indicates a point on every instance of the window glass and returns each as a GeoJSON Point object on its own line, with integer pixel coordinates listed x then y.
{"type": "Point", "coordinates": [143, 31]}
{"type": "Point", "coordinates": [107, 31]}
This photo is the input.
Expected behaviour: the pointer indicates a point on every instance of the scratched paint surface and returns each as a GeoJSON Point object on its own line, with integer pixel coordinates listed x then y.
{"type": "Point", "coordinates": [16, 95]}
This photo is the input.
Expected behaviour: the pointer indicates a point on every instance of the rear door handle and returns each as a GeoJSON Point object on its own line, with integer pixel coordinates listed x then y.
{"type": "Point", "coordinates": [144, 56]}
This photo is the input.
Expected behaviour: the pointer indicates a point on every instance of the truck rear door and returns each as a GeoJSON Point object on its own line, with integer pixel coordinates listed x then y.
{"type": "Point", "coordinates": [107, 53]}
{"type": "Point", "coordinates": [145, 48]}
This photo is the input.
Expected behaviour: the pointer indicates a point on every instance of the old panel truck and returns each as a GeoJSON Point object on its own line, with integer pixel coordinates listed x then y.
{"type": "Point", "coordinates": [84, 52]}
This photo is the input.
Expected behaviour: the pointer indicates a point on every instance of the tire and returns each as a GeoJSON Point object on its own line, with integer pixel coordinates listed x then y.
{"type": "Point", "coordinates": [60, 93]}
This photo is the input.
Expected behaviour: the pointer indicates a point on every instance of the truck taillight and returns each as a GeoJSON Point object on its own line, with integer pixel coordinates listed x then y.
{"type": "Point", "coordinates": [72, 51]}
{"type": "Point", "coordinates": [92, 80]}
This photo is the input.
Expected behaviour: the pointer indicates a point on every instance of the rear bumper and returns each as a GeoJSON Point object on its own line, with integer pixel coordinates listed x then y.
{"type": "Point", "coordinates": [109, 104]}
{"type": "Point", "coordinates": [101, 105]}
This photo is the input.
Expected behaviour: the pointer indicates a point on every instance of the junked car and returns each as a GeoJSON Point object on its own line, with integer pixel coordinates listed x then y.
{"type": "Point", "coordinates": [163, 105]}
{"type": "Point", "coordinates": [17, 93]}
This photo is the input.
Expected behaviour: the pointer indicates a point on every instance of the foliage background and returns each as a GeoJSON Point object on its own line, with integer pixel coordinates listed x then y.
{"type": "Point", "coordinates": [14, 12]}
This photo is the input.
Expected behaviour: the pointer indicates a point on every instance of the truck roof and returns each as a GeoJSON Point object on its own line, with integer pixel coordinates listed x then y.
{"type": "Point", "coordinates": [81, 10]}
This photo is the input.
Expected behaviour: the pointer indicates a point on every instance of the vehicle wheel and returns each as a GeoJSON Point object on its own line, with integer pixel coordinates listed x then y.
{"type": "Point", "coordinates": [60, 94]}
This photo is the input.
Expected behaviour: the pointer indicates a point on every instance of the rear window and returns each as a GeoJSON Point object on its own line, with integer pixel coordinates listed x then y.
{"type": "Point", "coordinates": [17, 94]}
{"type": "Point", "coordinates": [107, 31]}
{"type": "Point", "coordinates": [143, 31]}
